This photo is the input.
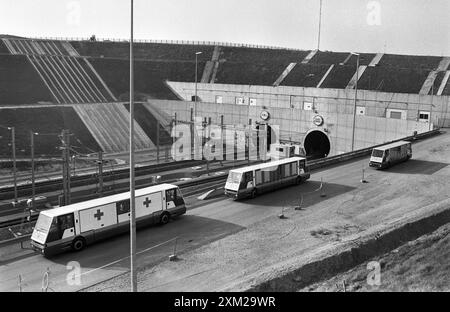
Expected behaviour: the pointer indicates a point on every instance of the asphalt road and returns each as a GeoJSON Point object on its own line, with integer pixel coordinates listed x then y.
{"type": "Point", "coordinates": [200, 226]}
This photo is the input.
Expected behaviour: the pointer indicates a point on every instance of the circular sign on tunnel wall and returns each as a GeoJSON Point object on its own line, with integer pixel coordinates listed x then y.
{"type": "Point", "coordinates": [265, 115]}
{"type": "Point", "coordinates": [318, 120]}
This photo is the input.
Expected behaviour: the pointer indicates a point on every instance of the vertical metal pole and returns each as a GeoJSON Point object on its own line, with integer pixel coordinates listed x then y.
{"type": "Point", "coordinates": [320, 25]}
{"type": "Point", "coordinates": [132, 186]}
{"type": "Point", "coordinates": [248, 140]}
{"type": "Point", "coordinates": [33, 191]}
{"type": "Point", "coordinates": [431, 107]}
{"type": "Point", "coordinates": [354, 108]}
{"type": "Point", "coordinates": [208, 134]}
{"type": "Point", "coordinates": [67, 149]}
{"type": "Point", "coordinates": [193, 139]}
{"type": "Point", "coordinates": [100, 174]}
{"type": "Point", "coordinates": [157, 141]}
{"type": "Point", "coordinates": [224, 157]}
{"type": "Point", "coordinates": [13, 135]}
{"type": "Point", "coordinates": [195, 100]}
{"type": "Point", "coordinates": [174, 127]}
{"type": "Point", "coordinates": [64, 166]}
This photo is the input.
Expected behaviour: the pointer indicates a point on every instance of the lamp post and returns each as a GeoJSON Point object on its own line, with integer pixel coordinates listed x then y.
{"type": "Point", "coordinates": [431, 107]}
{"type": "Point", "coordinates": [132, 183]}
{"type": "Point", "coordinates": [320, 26]}
{"type": "Point", "coordinates": [196, 78]}
{"type": "Point", "coordinates": [356, 96]}
{"type": "Point", "coordinates": [13, 147]}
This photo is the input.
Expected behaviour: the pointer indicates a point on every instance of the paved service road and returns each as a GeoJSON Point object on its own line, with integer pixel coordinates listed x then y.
{"type": "Point", "coordinates": [205, 228]}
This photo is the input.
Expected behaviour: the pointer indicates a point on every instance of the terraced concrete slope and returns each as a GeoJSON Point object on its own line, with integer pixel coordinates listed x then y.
{"type": "Point", "coordinates": [69, 77]}
{"type": "Point", "coordinates": [108, 123]}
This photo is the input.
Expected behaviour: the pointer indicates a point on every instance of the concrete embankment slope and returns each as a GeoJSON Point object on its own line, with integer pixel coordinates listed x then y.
{"type": "Point", "coordinates": [328, 235]}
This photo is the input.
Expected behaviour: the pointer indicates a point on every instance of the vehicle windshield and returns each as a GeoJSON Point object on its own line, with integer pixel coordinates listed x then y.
{"type": "Point", "coordinates": [43, 223]}
{"type": "Point", "coordinates": [234, 177]}
{"type": "Point", "coordinates": [377, 153]}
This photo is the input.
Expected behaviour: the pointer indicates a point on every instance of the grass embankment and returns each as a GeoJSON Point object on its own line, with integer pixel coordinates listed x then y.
{"type": "Point", "coordinates": [420, 265]}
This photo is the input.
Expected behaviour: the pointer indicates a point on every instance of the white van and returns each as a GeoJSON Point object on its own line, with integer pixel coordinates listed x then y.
{"type": "Point", "coordinates": [390, 154]}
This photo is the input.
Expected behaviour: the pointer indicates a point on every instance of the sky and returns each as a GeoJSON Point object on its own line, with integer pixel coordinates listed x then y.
{"type": "Point", "coordinates": [419, 27]}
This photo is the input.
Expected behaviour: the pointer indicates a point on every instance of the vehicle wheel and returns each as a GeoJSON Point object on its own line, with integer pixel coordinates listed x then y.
{"type": "Point", "coordinates": [165, 217]}
{"type": "Point", "coordinates": [78, 244]}
{"type": "Point", "coordinates": [254, 193]}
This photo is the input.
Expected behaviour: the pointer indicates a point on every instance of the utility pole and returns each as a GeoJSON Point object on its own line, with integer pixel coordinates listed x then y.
{"type": "Point", "coordinates": [33, 190]}
{"type": "Point", "coordinates": [100, 174]}
{"type": "Point", "coordinates": [174, 127]}
{"type": "Point", "coordinates": [65, 138]}
{"type": "Point", "coordinates": [196, 78]}
{"type": "Point", "coordinates": [13, 139]}
{"type": "Point", "coordinates": [13, 148]}
{"type": "Point", "coordinates": [355, 102]}
{"type": "Point", "coordinates": [132, 183]}
{"type": "Point", "coordinates": [248, 140]}
{"type": "Point", "coordinates": [64, 165]}
{"type": "Point", "coordinates": [157, 141]}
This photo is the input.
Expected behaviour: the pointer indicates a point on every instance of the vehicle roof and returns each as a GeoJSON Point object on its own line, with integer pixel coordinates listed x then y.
{"type": "Point", "coordinates": [267, 165]}
{"type": "Point", "coordinates": [105, 200]}
{"type": "Point", "coordinates": [392, 145]}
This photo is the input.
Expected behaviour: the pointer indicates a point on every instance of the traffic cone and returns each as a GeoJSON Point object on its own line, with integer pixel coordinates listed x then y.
{"type": "Point", "coordinates": [322, 190]}
{"type": "Point", "coordinates": [300, 203]}
{"type": "Point", "coordinates": [363, 180]}
{"type": "Point", "coordinates": [174, 257]}
{"type": "Point", "coordinates": [281, 215]}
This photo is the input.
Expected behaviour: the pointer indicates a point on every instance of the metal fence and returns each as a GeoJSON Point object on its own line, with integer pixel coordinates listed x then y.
{"type": "Point", "coordinates": [180, 42]}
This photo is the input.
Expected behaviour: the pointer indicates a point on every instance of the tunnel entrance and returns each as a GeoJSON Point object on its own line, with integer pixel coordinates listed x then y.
{"type": "Point", "coordinates": [317, 145]}
{"type": "Point", "coordinates": [270, 137]}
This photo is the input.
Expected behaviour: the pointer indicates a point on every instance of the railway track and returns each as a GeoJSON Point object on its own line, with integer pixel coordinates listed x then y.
{"type": "Point", "coordinates": [7, 193]}
{"type": "Point", "coordinates": [188, 188]}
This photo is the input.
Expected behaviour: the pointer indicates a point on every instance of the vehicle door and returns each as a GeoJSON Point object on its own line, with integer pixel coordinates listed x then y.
{"type": "Point", "coordinates": [246, 182]}
{"type": "Point", "coordinates": [62, 228]}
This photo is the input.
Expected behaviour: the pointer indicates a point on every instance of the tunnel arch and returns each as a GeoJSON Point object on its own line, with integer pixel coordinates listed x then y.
{"type": "Point", "coordinates": [316, 144]}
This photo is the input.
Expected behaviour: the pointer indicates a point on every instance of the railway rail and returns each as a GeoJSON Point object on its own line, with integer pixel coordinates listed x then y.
{"type": "Point", "coordinates": [199, 185]}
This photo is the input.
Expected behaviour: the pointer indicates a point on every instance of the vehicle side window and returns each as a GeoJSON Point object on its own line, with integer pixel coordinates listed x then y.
{"type": "Point", "coordinates": [178, 197]}
{"type": "Point", "coordinates": [65, 222]}
{"type": "Point", "coordinates": [266, 175]}
{"type": "Point", "coordinates": [294, 168]}
{"type": "Point", "coordinates": [302, 164]}
{"type": "Point", "coordinates": [174, 195]}
{"type": "Point", "coordinates": [170, 195]}
{"type": "Point", "coordinates": [59, 225]}
{"type": "Point", "coordinates": [286, 170]}
{"type": "Point", "coordinates": [53, 233]}
{"type": "Point", "coordinates": [275, 174]}
{"type": "Point", "coordinates": [247, 177]}
{"type": "Point", "coordinates": [259, 177]}
{"type": "Point", "coordinates": [123, 207]}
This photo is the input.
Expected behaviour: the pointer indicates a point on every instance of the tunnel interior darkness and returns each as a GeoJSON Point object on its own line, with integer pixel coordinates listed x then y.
{"type": "Point", "coordinates": [317, 145]}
